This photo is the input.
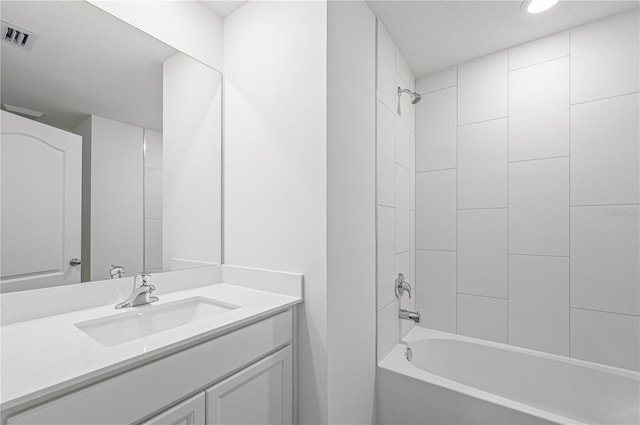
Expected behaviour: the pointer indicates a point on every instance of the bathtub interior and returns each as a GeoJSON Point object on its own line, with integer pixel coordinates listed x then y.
{"type": "Point", "coordinates": [571, 389]}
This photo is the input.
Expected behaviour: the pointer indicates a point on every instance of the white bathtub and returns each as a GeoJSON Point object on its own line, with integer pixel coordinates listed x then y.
{"type": "Point", "coordinates": [458, 380]}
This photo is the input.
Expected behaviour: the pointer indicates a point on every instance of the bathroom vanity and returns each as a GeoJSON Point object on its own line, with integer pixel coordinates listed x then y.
{"type": "Point", "coordinates": [220, 353]}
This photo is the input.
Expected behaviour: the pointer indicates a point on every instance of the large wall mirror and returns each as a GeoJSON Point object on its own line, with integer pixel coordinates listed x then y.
{"type": "Point", "coordinates": [110, 149]}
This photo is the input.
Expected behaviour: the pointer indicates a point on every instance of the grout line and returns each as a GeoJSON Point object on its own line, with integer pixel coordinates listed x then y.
{"type": "Point", "coordinates": [481, 121]}
{"type": "Point", "coordinates": [603, 98]}
{"type": "Point", "coordinates": [397, 163]}
{"type": "Point", "coordinates": [487, 296]}
{"type": "Point", "coordinates": [539, 255]}
{"type": "Point", "coordinates": [438, 169]}
{"type": "Point", "coordinates": [539, 63]}
{"type": "Point", "coordinates": [443, 88]}
{"type": "Point", "coordinates": [387, 206]}
{"type": "Point", "coordinates": [377, 260]}
{"type": "Point", "coordinates": [604, 311]}
{"type": "Point", "coordinates": [508, 153]}
{"type": "Point", "coordinates": [385, 106]}
{"type": "Point", "coordinates": [457, 181]}
{"type": "Point", "coordinates": [485, 208]}
{"type": "Point", "coordinates": [437, 250]}
{"type": "Point", "coordinates": [386, 305]}
{"type": "Point", "coordinates": [569, 150]}
{"type": "Point", "coordinates": [539, 159]}
{"type": "Point", "coordinates": [603, 205]}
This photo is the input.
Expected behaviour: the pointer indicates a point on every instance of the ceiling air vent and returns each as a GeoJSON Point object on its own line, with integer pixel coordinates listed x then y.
{"type": "Point", "coordinates": [17, 36]}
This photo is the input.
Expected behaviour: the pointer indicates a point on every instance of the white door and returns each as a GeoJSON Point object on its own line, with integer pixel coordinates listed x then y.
{"type": "Point", "coordinates": [41, 181]}
{"type": "Point", "coordinates": [189, 412]}
{"type": "Point", "coordinates": [261, 394]}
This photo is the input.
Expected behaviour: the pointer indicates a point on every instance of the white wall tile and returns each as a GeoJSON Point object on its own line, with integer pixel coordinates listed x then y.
{"type": "Point", "coordinates": [482, 165]}
{"type": "Point", "coordinates": [152, 193]}
{"type": "Point", "coordinates": [604, 57]}
{"type": "Point", "coordinates": [608, 338]}
{"type": "Point", "coordinates": [605, 258]}
{"type": "Point", "coordinates": [436, 210]}
{"type": "Point", "coordinates": [436, 128]}
{"type": "Point", "coordinates": [152, 149]}
{"type": "Point", "coordinates": [544, 49]}
{"type": "Point", "coordinates": [152, 244]}
{"type": "Point", "coordinates": [403, 219]}
{"type": "Point", "coordinates": [412, 178]}
{"type": "Point", "coordinates": [404, 126]}
{"type": "Point", "coordinates": [539, 111]}
{"type": "Point", "coordinates": [482, 317]}
{"type": "Point", "coordinates": [412, 244]}
{"type": "Point", "coordinates": [482, 252]}
{"type": "Point", "coordinates": [386, 155]}
{"type": "Point", "coordinates": [482, 89]}
{"type": "Point", "coordinates": [387, 329]}
{"type": "Point", "coordinates": [605, 151]}
{"type": "Point", "coordinates": [539, 303]}
{"type": "Point", "coordinates": [386, 84]}
{"type": "Point", "coordinates": [403, 68]}
{"type": "Point", "coordinates": [438, 80]}
{"type": "Point", "coordinates": [386, 255]}
{"type": "Point", "coordinates": [539, 207]}
{"type": "Point", "coordinates": [436, 289]}
{"type": "Point", "coordinates": [403, 265]}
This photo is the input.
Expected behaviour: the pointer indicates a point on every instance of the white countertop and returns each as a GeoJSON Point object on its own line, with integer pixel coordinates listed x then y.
{"type": "Point", "coordinates": [50, 355]}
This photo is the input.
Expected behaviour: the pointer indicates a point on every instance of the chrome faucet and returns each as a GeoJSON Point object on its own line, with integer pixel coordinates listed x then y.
{"type": "Point", "coordinates": [402, 286]}
{"type": "Point", "coordinates": [116, 272]}
{"type": "Point", "coordinates": [141, 292]}
{"type": "Point", "coordinates": [410, 315]}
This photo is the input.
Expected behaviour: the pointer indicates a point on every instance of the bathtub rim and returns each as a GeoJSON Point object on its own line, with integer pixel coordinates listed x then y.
{"type": "Point", "coordinates": [395, 362]}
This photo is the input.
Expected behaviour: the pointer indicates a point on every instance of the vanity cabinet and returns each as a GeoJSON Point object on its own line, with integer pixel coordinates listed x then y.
{"type": "Point", "coordinates": [189, 412]}
{"type": "Point", "coordinates": [241, 377]}
{"type": "Point", "coordinates": [260, 394]}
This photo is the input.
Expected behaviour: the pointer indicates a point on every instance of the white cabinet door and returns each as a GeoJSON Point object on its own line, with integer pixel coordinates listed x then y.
{"type": "Point", "coordinates": [260, 394]}
{"type": "Point", "coordinates": [41, 175]}
{"type": "Point", "coordinates": [189, 412]}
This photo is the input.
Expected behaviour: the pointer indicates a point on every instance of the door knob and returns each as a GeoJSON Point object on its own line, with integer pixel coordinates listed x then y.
{"type": "Point", "coordinates": [75, 262]}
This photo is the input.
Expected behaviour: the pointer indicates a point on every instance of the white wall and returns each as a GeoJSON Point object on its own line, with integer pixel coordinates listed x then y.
{"type": "Point", "coordinates": [528, 191]}
{"type": "Point", "coordinates": [191, 162]}
{"type": "Point", "coordinates": [395, 186]}
{"type": "Point", "coordinates": [351, 254]}
{"type": "Point", "coordinates": [189, 26]}
{"type": "Point", "coordinates": [116, 193]}
{"type": "Point", "coordinates": [275, 181]}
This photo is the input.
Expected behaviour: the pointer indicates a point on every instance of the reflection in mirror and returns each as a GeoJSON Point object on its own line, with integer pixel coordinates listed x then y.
{"type": "Point", "coordinates": [110, 149]}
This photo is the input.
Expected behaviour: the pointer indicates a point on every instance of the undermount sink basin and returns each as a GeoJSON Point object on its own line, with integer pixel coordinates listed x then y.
{"type": "Point", "coordinates": [151, 319]}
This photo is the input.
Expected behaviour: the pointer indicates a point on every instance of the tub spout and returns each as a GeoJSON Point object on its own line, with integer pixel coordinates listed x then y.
{"type": "Point", "coordinates": [410, 315]}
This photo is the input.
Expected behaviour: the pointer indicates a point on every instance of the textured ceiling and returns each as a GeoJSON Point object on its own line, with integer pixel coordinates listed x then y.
{"type": "Point", "coordinates": [433, 35]}
{"type": "Point", "coordinates": [84, 62]}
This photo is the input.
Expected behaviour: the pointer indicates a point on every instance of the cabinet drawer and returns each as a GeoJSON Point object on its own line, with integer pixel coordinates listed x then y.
{"type": "Point", "coordinates": [140, 392]}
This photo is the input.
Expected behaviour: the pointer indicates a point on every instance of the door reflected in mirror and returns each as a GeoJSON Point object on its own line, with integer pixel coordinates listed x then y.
{"type": "Point", "coordinates": [110, 149]}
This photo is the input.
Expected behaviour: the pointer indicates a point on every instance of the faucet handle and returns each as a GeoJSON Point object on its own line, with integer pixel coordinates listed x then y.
{"type": "Point", "coordinates": [142, 279]}
{"type": "Point", "coordinates": [402, 286]}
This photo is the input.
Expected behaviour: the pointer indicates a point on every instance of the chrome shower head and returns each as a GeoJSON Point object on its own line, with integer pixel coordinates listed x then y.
{"type": "Point", "coordinates": [415, 97]}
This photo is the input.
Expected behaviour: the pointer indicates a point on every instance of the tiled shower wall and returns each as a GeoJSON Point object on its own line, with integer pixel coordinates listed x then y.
{"type": "Point", "coordinates": [395, 188]}
{"type": "Point", "coordinates": [528, 191]}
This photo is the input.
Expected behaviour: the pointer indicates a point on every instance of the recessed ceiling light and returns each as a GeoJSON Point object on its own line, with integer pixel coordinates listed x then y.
{"type": "Point", "coordinates": [537, 6]}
